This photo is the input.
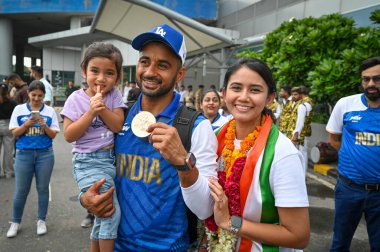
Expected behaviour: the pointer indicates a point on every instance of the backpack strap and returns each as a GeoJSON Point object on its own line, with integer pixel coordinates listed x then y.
{"type": "Point", "coordinates": [184, 123]}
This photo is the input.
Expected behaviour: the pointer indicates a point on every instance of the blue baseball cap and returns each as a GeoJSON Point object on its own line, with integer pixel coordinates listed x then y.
{"type": "Point", "coordinates": [166, 35]}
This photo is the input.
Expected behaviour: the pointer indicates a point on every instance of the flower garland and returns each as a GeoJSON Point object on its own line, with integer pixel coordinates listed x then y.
{"type": "Point", "coordinates": [229, 153]}
{"type": "Point", "coordinates": [219, 239]}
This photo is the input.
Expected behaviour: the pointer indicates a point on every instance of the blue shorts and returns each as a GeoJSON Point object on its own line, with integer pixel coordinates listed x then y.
{"type": "Point", "coordinates": [89, 168]}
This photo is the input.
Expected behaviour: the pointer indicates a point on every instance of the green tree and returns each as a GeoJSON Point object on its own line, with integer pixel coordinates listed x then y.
{"type": "Point", "coordinates": [375, 17]}
{"type": "Point", "coordinates": [321, 53]}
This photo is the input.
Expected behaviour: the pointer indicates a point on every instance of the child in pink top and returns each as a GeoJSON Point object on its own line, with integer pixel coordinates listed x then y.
{"type": "Point", "coordinates": [91, 117]}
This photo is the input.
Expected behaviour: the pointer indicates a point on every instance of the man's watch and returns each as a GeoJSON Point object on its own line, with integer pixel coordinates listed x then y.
{"type": "Point", "coordinates": [190, 162]}
{"type": "Point", "coordinates": [235, 224]}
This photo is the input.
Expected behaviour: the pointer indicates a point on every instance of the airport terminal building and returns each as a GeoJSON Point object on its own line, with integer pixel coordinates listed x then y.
{"type": "Point", "coordinates": [55, 33]}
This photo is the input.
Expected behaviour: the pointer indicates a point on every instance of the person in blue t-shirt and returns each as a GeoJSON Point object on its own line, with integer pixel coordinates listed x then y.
{"type": "Point", "coordinates": [354, 130]}
{"type": "Point", "coordinates": [34, 125]}
{"type": "Point", "coordinates": [157, 177]}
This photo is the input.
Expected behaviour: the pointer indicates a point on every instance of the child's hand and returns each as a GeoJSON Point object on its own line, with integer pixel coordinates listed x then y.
{"type": "Point", "coordinates": [96, 102]}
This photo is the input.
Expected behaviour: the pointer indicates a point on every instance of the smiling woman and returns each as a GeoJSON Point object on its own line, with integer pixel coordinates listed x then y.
{"type": "Point", "coordinates": [34, 154]}
{"type": "Point", "coordinates": [210, 104]}
{"type": "Point", "coordinates": [253, 154]}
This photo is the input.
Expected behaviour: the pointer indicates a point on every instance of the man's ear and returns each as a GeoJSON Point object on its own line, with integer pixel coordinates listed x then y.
{"type": "Point", "coordinates": [181, 74]}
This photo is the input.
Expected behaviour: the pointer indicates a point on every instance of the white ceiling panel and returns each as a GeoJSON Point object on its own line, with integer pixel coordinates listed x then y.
{"type": "Point", "coordinates": [125, 19]}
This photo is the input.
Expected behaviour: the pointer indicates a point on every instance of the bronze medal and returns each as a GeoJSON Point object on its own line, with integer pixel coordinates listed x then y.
{"type": "Point", "coordinates": [141, 122]}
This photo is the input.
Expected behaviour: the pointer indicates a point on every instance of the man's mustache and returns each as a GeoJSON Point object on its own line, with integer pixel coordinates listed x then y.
{"type": "Point", "coordinates": [154, 79]}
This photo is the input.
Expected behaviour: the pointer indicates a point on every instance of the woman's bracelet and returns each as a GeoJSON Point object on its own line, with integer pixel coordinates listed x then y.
{"type": "Point", "coordinates": [203, 245]}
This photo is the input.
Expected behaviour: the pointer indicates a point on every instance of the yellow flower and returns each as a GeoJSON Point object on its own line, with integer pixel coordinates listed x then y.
{"type": "Point", "coordinates": [223, 240]}
{"type": "Point", "coordinates": [230, 155]}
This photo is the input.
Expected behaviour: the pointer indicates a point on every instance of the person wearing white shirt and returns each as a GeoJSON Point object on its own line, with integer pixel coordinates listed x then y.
{"type": "Point", "coordinates": [37, 74]}
{"type": "Point", "coordinates": [182, 93]}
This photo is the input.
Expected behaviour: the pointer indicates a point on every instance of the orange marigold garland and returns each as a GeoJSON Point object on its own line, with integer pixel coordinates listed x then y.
{"type": "Point", "coordinates": [220, 240]}
{"type": "Point", "coordinates": [230, 155]}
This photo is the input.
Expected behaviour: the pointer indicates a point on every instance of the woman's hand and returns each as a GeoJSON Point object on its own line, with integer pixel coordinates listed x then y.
{"type": "Point", "coordinates": [221, 212]}
{"type": "Point", "coordinates": [30, 122]}
{"type": "Point", "coordinates": [42, 122]}
{"type": "Point", "coordinates": [23, 128]}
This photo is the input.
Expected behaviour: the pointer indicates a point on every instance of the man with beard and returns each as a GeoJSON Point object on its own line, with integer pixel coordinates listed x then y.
{"type": "Point", "coordinates": [299, 122]}
{"type": "Point", "coordinates": [21, 93]}
{"type": "Point", "coordinates": [156, 177]}
{"type": "Point", "coordinates": [354, 130]}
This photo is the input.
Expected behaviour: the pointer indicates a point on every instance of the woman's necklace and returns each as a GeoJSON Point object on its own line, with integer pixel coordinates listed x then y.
{"type": "Point", "coordinates": [229, 153]}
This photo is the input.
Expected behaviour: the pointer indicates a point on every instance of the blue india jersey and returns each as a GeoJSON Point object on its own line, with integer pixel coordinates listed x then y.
{"type": "Point", "coordinates": [359, 155]}
{"type": "Point", "coordinates": [148, 188]}
{"type": "Point", "coordinates": [35, 137]}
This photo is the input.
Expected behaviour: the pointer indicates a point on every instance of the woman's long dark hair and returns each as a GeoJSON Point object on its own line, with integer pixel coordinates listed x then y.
{"type": "Point", "coordinates": [259, 67]}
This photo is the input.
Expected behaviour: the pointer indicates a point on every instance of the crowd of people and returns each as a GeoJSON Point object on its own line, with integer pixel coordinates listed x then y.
{"type": "Point", "coordinates": [28, 125]}
{"type": "Point", "coordinates": [242, 174]}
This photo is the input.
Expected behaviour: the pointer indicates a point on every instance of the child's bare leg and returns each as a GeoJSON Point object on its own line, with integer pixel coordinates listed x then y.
{"type": "Point", "coordinates": [106, 245]}
{"type": "Point", "coordinates": [94, 247]}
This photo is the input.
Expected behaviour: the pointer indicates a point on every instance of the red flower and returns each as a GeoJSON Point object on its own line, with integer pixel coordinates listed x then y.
{"type": "Point", "coordinates": [232, 190]}
{"type": "Point", "coordinates": [222, 178]}
{"type": "Point", "coordinates": [233, 187]}
{"type": "Point", "coordinates": [229, 179]}
{"type": "Point", "coordinates": [210, 224]}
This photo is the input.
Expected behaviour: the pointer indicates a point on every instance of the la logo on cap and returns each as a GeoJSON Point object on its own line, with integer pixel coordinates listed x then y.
{"type": "Point", "coordinates": [160, 31]}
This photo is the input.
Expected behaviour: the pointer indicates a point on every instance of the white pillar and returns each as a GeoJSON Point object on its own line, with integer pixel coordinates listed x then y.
{"type": "Point", "coordinates": [223, 68]}
{"type": "Point", "coordinates": [75, 22]}
{"type": "Point", "coordinates": [6, 46]}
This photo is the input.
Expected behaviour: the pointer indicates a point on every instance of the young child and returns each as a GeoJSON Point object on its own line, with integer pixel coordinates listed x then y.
{"type": "Point", "coordinates": [91, 117]}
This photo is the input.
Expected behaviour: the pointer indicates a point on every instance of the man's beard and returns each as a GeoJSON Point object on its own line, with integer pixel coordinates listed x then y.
{"type": "Point", "coordinates": [372, 96]}
{"type": "Point", "coordinates": [161, 91]}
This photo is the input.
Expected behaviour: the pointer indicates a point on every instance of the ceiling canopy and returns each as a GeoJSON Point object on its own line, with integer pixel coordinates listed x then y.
{"type": "Point", "coordinates": [125, 19]}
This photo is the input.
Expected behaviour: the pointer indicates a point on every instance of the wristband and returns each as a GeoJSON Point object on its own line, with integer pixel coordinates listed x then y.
{"type": "Point", "coordinates": [190, 162]}
{"type": "Point", "coordinates": [236, 223]}
{"type": "Point", "coordinates": [203, 245]}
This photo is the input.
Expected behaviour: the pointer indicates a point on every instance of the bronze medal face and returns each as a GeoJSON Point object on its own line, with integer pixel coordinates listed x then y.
{"type": "Point", "coordinates": [141, 122]}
